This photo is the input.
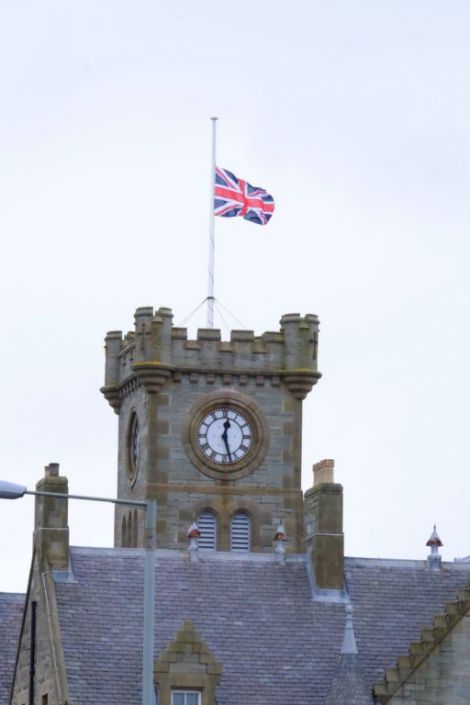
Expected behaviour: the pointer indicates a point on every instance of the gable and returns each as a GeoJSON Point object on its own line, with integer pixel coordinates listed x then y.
{"type": "Point", "coordinates": [11, 613]}
{"type": "Point", "coordinates": [444, 677]}
{"type": "Point", "coordinates": [39, 644]}
{"type": "Point", "coordinates": [437, 668]}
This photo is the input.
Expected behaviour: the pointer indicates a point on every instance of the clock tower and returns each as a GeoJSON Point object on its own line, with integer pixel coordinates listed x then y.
{"type": "Point", "coordinates": [211, 429]}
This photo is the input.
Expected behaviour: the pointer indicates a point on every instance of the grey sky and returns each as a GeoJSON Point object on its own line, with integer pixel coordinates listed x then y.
{"type": "Point", "coordinates": [355, 116]}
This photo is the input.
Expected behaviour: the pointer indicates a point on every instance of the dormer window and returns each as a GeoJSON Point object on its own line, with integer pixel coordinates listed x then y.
{"type": "Point", "coordinates": [186, 672]}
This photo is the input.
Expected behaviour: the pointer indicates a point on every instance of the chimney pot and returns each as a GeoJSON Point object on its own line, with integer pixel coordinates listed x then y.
{"type": "Point", "coordinates": [323, 471]}
{"type": "Point", "coordinates": [51, 470]}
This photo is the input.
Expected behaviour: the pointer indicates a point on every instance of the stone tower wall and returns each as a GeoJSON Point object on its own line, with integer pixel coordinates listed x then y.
{"type": "Point", "coordinates": [160, 375]}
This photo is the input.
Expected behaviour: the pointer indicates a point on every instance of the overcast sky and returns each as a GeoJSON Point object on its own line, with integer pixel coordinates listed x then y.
{"type": "Point", "coordinates": [355, 116]}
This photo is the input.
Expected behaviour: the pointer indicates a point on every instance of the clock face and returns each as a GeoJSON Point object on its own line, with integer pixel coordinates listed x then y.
{"type": "Point", "coordinates": [225, 435]}
{"type": "Point", "coordinates": [135, 443]}
{"type": "Point", "coordinates": [133, 448]}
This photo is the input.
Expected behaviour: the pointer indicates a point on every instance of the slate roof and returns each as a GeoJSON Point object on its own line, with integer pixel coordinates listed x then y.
{"type": "Point", "coordinates": [11, 613]}
{"type": "Point", "coordinates": [277, 645]}
{"type": "Point", "coordinates": [393, 601]}
{"type": "Point", "coordinates": [348, 685]}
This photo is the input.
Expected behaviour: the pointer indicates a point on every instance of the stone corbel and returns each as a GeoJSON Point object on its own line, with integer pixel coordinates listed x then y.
{"type": "Point", "coordinates": [152, 375]}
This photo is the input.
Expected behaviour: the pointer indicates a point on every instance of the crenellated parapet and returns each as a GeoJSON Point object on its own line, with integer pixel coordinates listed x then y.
{"type": "Point", "coordinates": [157, 351]}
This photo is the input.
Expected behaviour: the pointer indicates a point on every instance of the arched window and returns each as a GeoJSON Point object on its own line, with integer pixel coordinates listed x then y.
{"type": "Point", "coordinates": [123, 532]}
{"type": "Point", "coordinates": [240, 532]}
{"type": "Point", "coordinates": [135, 534]}
{"type": "Point", "coordinates": [129, 531]}
{"type": "Point", "coordinates": [207, 525]}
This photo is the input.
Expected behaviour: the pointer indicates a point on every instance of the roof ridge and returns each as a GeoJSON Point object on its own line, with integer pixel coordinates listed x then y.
{"type": "Point", "coordinates": [361, 561]}
{"type": "Point", "coordinates": [205, 556]}
{"type": "Point", "coordinates": [418, 651]}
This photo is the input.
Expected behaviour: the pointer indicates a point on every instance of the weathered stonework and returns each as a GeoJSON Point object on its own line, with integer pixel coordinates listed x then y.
{"type": "Point", "coordinates": [40, 648]}
{"type": "Point", "coordinates": [49, 667]}
{"type": "Point", "coordinates": [324, 527]}
{"type": "Point", "coordinates": [187, 663]}
{"type": "Point", "coordinates": [436, 670]}
{"type": "Point", "coordinates": [159, 376]}
{"type": "Point", "coordinates": [51, 531]}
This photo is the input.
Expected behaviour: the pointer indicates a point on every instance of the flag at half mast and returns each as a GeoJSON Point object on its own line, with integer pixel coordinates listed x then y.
{"type": "Point", "coordinates": [233, 196]}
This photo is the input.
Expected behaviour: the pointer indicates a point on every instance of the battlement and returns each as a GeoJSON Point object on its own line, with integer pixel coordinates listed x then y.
{"type": "Point", "coordinates": [157, 350]}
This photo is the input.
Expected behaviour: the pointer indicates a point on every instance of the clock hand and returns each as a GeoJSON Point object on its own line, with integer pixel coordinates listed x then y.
{"type": "Point", "coordinates": [225, 439]}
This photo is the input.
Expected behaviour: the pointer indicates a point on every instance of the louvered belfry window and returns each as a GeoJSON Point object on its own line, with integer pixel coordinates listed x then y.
{"type": "Point", "coordinates": [240, 534]}
{"type": "Point", "coordinates": [207, 525]}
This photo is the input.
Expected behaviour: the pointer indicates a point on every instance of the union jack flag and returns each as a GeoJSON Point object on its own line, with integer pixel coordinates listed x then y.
{"type": "Point", "coordinates": [234, 196]}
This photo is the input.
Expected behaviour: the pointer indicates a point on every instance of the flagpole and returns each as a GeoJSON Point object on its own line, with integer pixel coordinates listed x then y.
{"type": "Point", "coordinates": [210, 294]}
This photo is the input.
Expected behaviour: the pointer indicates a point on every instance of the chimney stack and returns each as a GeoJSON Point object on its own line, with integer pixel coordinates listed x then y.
{"type": "Point", "coordinates": [324, 513]}
{"type": "Point", "coordinates": [51, 531]}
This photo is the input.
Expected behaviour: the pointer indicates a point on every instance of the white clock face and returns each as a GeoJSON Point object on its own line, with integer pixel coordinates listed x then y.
{"type": "Point", "coordinates": [224, 435]}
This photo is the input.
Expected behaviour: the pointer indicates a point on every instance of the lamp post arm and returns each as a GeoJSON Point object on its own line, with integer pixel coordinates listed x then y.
{"type": "Point", "coordinates": [131, 502]}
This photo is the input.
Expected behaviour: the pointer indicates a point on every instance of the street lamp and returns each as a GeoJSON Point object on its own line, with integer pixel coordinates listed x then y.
{"type": "Point", "coordinates": [10, 490]}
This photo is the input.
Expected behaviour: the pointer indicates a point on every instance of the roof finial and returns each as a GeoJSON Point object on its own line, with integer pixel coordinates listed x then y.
{"type": "Point", "coordinates": [193, 535]}
{"type": "Point", "coordinates": [434, 559]}
{"type": "Point", "coordinates": [279, 537]}
{"type": "Point", "coordinates": [349, 640]}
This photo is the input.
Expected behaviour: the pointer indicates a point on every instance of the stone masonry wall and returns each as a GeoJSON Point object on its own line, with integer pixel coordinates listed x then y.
{"type": "Point", "coordinates": [444, 677]}
{"type": "Point", "coordinates": [48, 678]}
{"type": "Point", "coordinates": [271, 492]}
{"type": "Point", "coordinates": [156, 373]}
{"type": "Point", "coordinates": [268, 493]}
